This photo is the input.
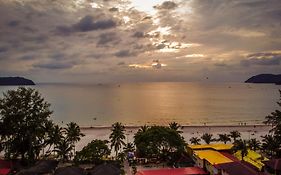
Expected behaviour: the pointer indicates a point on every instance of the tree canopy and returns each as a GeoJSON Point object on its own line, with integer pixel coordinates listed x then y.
{"type": "Point", "coordinates": [24, 119]}
{"type": "Point", "coordinates": [158, 142]}
{"type": "Point", "coordinates": [94, 152]}
{"type": "Point", "coordinates": [274, 119]}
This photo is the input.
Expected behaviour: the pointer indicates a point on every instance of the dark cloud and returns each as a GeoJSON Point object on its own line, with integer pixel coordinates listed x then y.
{"type": "Point", "coordinates": [28, 57]}
{"type": "Point", "coordinates": [87, 24]}
{"type": "Point", "coordinates": [113, 9]}
{"type": "Point", "coordinates": [167, 5]}
{"type": "Point", "coordinates": [3, 49]}
{"type": "Point", "coordinates": [121, 63]}
{"type": "Point", "coordinates": [138, 34]}
{"type": "Point", "coordinates": [54, 65]}
{"type": "Point", "coordinates": [124, 53]}
{"type": "Point", "coordinates": [263, 59]}
{"type": "Point", "coordinates": [106, 38]}
{"type": "Point", "coordinates": [13, 23]}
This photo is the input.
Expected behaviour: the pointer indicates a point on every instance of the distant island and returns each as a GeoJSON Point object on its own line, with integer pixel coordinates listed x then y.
{"type": "Point", "coordinates": [14, 81]}
{"type": "Point", "coordinates": [265, 78]}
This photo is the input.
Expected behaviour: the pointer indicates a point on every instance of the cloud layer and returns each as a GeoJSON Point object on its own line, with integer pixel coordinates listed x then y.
{"type": "Point", "coordinates": [100, 40]}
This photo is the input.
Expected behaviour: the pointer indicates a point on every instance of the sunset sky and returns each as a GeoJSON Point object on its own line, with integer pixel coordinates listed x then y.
{"type": "Point", "coordinates": [103, 41]}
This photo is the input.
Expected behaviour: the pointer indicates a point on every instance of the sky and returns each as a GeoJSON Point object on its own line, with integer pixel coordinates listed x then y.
{"type": "Point", "coordinates": [104, 41]}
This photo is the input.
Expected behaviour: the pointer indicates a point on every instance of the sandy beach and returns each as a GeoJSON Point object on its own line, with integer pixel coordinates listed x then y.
{"type": "Point", "coordinates": [247, 132]}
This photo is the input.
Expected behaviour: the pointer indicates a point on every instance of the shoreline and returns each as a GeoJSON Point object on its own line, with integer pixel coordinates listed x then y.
{"type": "Point", "coordinates": [183, 126]}
{"type": "Point", "coordinates": [188, 131]}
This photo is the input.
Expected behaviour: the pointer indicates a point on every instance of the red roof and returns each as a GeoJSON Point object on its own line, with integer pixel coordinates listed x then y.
{"type": "Point", "coordinates": [4, 171]}
{"type": "Point", "coordinates": [174, 171]}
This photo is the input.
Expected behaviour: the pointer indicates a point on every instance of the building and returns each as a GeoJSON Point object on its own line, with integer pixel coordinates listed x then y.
{"type": "Point", "coordinates": [173, 171]}
{"type": "Point", "coordinates": [273, 167]}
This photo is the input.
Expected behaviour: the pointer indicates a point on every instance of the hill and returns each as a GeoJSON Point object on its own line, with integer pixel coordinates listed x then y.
{"type": "Point", "coordinates": [14, 81]}
{"type": "Point", "coordinates": [265, 78]}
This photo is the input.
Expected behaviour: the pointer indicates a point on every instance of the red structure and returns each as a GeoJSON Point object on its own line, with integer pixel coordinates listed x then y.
{"type": "Point", "coordinates": [5, 167]}
{"type": "Point", "coordinates": [173, 171]}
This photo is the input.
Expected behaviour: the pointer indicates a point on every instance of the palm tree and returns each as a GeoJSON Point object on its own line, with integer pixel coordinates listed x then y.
{"type": "Point", "coordinates": [73, 132]}
{"type": "Point", "coordinates": [54, 136]}
{"type": "Point", "coordinates": [117, 137]}
{"type": "Point", "coordinates": [270, 145]}
{"type": "Point", "coordinates": [241, 145]}
{"type": "Point", "coordinates": [63, 150]}
{"type": "Point", "coordinates": [143, 128]}
{"type": "Point", "coordinates": [254, 144]}
{"type": "Point", "coordinates": [235, 135]}
{"type": "Point", "coordinates": [175, 126]}
{"type": "Point", "coordinates": [195, 140]}
{"type": "Point", "coordinates": [224, 138]}
{"type": "Point", "coordinates": [207, 138]}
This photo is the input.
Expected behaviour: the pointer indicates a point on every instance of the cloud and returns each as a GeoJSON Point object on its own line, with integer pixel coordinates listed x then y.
{"type": "Point", "coordinates": [138, 34]}
{"type": "Point", "coordinates": [13, 23]}
{"type": "Point", "coordinates": [55, 65]}
{"type": "Point", "coordinates": [167, 5]}
{"type": "Point", "coordinates": [124, 53]}
{"type": "Point", "coordinates": [87, 24]}
{"type": "Point", "coordinates": [263, 59]}
{"type": "Point", "coordinates": [106, 38]}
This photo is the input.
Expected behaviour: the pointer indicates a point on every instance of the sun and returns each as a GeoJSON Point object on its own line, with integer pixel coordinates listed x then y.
{"type": "Point", "coordinates": [146, 5]}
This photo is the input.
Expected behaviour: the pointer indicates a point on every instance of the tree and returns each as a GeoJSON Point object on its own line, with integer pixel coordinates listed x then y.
{"type": "Point", "coordinates": [73, 134]}
{"type": "Point", "coordinates": [208, 138]}
{"type": "Point", "coordinates": [254, 144]}
{"type": "Point", "coordinates": [159, 142]}
{"type": "Point", "coordinates": [241, 145]}
{"type": "Point", "coordinates": [235, 135]}
{"type": "Point", "coordinates": [94, 152]}
{"type": "Point", "coordinates": [275, 121]}
{"type": "Point", "coordinates": [270, 145]}
{"type": "Point", "coordinates": [224, 138]}
{"type": "Point", "coordinates": [195, 140]}
{"type": "Point", "coordinates": [63, 150]}
{"type": "Point", "coordinates": [54, 135]}
{"type": "Point", "coordinates": [24, 115]}
{"type": "Point", "coordinates": [117, 137]}
{"type": "Point", "coordinates": [175, 126]}
{"type": "Point", "coordinates": [64, 140]}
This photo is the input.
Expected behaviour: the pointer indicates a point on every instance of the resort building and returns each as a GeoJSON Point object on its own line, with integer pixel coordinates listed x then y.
{"type": "Point", "coordinates": [273, 167]}
{"type": "Point", "coordinates": [253, 158]}
{"type": "Point", "coordinates": [173, 171]}
{"type": "Point", "coordinates": [218, 160]}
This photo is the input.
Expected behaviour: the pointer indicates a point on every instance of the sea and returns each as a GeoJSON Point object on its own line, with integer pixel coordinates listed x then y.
{"type": "Point", "coordinates": [159, 103]}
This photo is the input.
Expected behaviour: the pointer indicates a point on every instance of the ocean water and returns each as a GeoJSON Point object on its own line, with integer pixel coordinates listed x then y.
{"type": "Point", "coordinates": [159, 103]}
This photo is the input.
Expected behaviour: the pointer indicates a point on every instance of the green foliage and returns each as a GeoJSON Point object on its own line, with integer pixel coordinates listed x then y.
{"type": "Point", "coordinates": [270, 145]}
{"type": "Point", "coordinates": [158, 142]}
{"type": "Point", "coordinates": [94, 152]}
{"type": "Point", "coordinates": [208, 138]}
{"type": "Point", "coordinates": [224, 138]}
{"type": "Point", "coordinates": [65, 139]}
{"type": "Point", "coordinates": [24, 117]}
{"type": "Point", "coordinates": [235, 135]}
{"type": "Point", "coordinates": [275, 121]}
{"type": "Point", "coordinates": [175, 126]}
{"type": "Point", "coordinates": [73, 133]}
{"type": "Point", "coordinates": [63, 150]}
{"type": "Point", "coordinates": [117, 137]}
{"type": "Point", "coordinates": [242, 146]}
{"type": "Point", "coordinates": [254, 144]}
{"type": "Point", "coordinates": [195, 140]}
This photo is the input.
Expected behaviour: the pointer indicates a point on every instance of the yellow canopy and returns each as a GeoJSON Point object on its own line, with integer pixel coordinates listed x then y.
{"type": "Point", "coordinates": [217, 147]}
{"type": "Point", "coordinates": [213, 157]}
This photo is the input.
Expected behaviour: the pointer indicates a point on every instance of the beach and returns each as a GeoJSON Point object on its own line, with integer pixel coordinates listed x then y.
{"type": "Point", "coordinates": [247, 132]}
